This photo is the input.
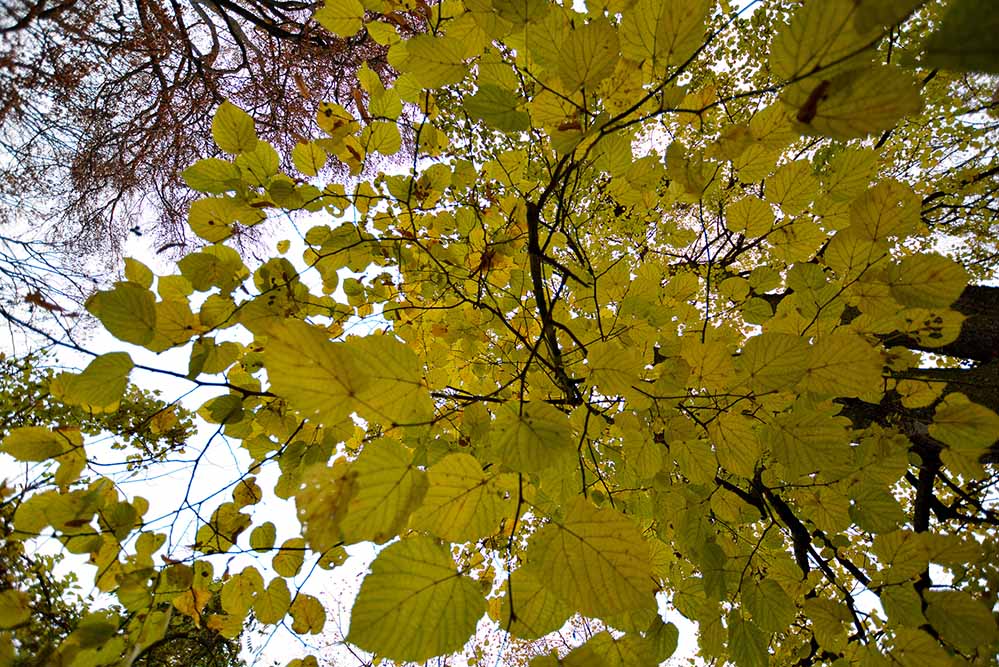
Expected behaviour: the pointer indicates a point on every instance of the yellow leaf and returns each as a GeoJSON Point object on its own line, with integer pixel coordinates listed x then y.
{"type": "Point", "coordinates": [854, 103]}
{"type": "Point", "coordinates": [381, 137]}
{"type": "Point", "coordinates": [614, 368]}
{"type": "Point", "coordinates": [415, 605]}
{"type": "Point", "coordinates": [307, 614]}
{"type": "Point", "coordinates": [14, 608]}
{"type": "Point", "coordinates": [289, 558]}
{"type": "Point", "coordinates": [536, 611]}
{"type": "Point", "coordinates": [594, 559]}
{"type": "Point", "coordinates": [36, 443]}
{"type": "Point", "coordinates": [99, 387]}
{"type": "Point", "coordinates": [750, 216]}
{"type": "Point", "coordinates": [843, 364]}
{"type": "Point", "coordinates": [928, 281]}
{"type": "Point", "coordinates": [588, 55]}
{"type": "Point", "coordinates": [239, 591]}
{"type": "Point", "coordinates": [138, 273]}
{"type": "Point", "coordinates": [773, 361]}
{"type": "Point", "coordinates": [191, 602]}
{"type": "Point", "coordinates": [232, 129]}
{"type": "Point", "coordinates": [343, 18]}
{"type": "Point", "coordinates": [272, 604]}
{"type": "Point", "coordinates": [309, 158]}
{"type": "Point", "coordinates": [792, 187]}
{"type": "Point", "coordinates": [461, 504]}
{"type": "Point", "coordinates": [663, 32]}
{"type": "Point", "coordinates": [262, 537]}
{"type": "Point", "coordinates": [819, 35]}
{"type": "Point", "coordinates": [388, 488]}
{"type": "Point", "coordinates": [962, 424]}
{"type": "Point", "coordinates": [377, 376]}
{"type": "Point", "coordinates": [532, 436]}
{"type": "Point", "coordinates": [433, 61]}
{"type": "Point", "coordinates": [128, 312]}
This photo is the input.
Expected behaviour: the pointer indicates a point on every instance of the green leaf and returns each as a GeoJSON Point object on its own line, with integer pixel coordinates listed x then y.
{"type": "Point", "coordinates": [965, 39]}
{"type": "Point", "coordinates": [766, 600]}
{"type": "Point", "coordinates": [99, 387]}
{"type": "Point", "coordinates": [747, 642]}
{"type": "Point", "coordinates": [855, 103]}
{"type": "Point", "coordinates": [664, 637]}
{"type": "Point", "coordinates": [499, 108]}
{"type": "Point", "coordinates": [595, 559]}
{"type": "Point", "coordinates": [965, 622]}
{"type": "Point", "coordinates": [232, 129]}
{"type": "Point", "coordinates": [128, 311]}
{"type": "Point", "coordinates": [414, 605]}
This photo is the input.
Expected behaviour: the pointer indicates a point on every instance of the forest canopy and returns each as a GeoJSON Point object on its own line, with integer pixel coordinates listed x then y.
{"type": "Point", "coordinates": [666, 308]}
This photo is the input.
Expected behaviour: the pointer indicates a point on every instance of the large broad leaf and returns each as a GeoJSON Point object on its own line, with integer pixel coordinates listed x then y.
{"type": "Point", "coordinates": [388, 488]}
{"type": "Point", "coordinates": [341, 17]}
{"type": "Point", "coordinates": [588, 55]}
{"type": "Point", "coordinates": [854, 103]}
{"type": "Point", "coordinates": [773, 361]}
{"type": "Point", "coordinates": [232, 129]}
{"type": "Point", "coordinates": [819, 36]}
{"type": "Point", "coordinates": [964, 425]}
{"type": "Point", "coordinates": [966, 38]}
{"type": "Point", "coordinates": [663, 32]}
{"type": "Point", "coordinates": [377, 377]}
{"type": "Point", "coordinates": [462, 503]}
{"type": "Point", "coordinates": [433, 61]}
{"type": "Point", "coordinates": [928, 281]}
{"type": "Point", "coordinates": [499, 108]}
{"type": "Point", "coordinates": [128, 311]}
{"type": "Point", "coordinates": [271, 604]}
{"type": "Point", "coordinates": [99, 387]}
{"type": "Point", "coordinates": [530, 610]}
{"type": "Point", "coordinates": [842, 364]}
{"type": "Point", "coordinates": [532, 436]}
{"type": "Point", "coordinates": [595, 559]}
{"type": "Point", "coordinates": [415, 605]}
{"type": "Point", "coordinates": [36, 443]}
{"type": "Point", "coordinates": [962, 620]}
